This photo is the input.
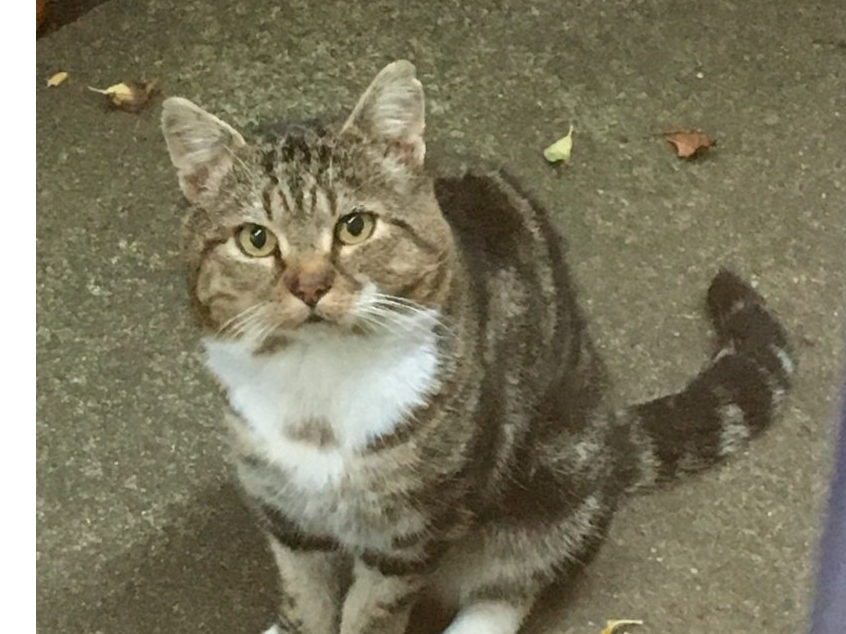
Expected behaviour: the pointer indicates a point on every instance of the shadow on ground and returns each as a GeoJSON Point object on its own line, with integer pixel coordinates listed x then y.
{"type": "Point", "coordinates": [208, 567]}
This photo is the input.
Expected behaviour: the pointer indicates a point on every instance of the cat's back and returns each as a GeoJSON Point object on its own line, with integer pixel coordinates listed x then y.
{"type": "Point", "coordinates": [513, 253]}
{"type": "Point", "coordinates": [528, 321]}
{"type": "Point", "coordinates": [499, 226]}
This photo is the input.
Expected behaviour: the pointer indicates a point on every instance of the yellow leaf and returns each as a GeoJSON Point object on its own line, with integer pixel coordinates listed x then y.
{"type": "Point", "coordinates": [612, 627]}
{"type": "Point", "coordinates": [57, 79]}
{"type": "Point", "coordinates": [129, 95]}
{"type": "Point", "coordinates": [561, 149]}
{"type": "Point", "coordinates": [117, 93]}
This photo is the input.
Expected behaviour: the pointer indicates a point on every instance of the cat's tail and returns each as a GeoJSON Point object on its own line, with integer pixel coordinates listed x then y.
{"type": "Point", "coordinates": [732, 400]}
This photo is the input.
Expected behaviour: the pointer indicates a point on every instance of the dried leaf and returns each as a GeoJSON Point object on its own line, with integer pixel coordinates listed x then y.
{"type": "Point", "coordinates": [131, 96]}
{"type": "Point", "coordinates": [614, 627]}
{"type": "Point", "coordinates": [561, 149]}
{"type": "Point", "coordinates": [689, 143]}
{"type": "Point", "coordinates": [57, 79]}
{"type": "Point", "coordinates": [40, 7]}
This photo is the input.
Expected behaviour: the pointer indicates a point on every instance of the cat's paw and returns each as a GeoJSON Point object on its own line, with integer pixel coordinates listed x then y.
{"type": "Point", "coordinates": [273, 629]}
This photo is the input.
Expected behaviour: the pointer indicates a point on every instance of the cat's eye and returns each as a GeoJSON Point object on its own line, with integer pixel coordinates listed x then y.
{"type": "Point", "coordinates": [256, 241]}
{"type": "Point", "coordinates": [355, 228]}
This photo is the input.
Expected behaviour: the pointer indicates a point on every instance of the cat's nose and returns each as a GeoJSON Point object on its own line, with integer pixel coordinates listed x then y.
{"type": "Point", "coordinates": [310, 295]}
{"type": "Point", "coordinates": [309, 283]}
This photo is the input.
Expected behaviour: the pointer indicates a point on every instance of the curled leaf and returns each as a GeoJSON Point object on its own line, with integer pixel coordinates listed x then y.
{"type": "Point", "coordinates": [131, 96]}
{"type": "Point", "coordinates": [57, 79]}
{"type": "Point", "coordinates": [616, 627]}
{"type": "Point", "coordinates": [561, 149]}
{"type": "Point", "coordinates": [689, 143]}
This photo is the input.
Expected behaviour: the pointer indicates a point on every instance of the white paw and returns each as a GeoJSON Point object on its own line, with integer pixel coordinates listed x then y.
{"type": "Point", "coordinates": [273, 629]}
{"type": "Point", "coordinates": [487, 617]}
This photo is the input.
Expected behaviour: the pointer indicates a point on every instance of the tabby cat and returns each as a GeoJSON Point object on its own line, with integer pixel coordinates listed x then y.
{"type": "Point", "coordinates": [415, 401]}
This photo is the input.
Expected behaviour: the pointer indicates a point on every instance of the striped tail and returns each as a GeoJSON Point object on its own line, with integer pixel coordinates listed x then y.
{"type": "Point", "coordinates": [732, 400]}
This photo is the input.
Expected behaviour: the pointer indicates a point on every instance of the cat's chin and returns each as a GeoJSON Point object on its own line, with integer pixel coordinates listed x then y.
{"type": "Point", "coordinates": [314, 318]}
{"type": "Point", "coordinates": [316, 325]}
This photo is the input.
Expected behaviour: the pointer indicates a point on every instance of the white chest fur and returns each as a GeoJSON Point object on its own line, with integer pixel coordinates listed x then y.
{"type": "Point", "coordinates": [363, 387]}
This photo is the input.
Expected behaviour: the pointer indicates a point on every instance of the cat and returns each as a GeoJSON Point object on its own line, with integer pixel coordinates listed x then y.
{"type": "Point", "coordinates": [414, 399]}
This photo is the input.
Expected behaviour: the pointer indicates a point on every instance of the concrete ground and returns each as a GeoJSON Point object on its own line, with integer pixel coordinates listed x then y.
{"type": "Point", "coordinates": [139, 527]}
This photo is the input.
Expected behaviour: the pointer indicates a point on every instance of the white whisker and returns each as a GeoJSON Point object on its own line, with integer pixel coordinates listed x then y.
{"type": "Point", "coordinates": [402, 320]}
{"type": "Point", "coordinates": [405, 307]}
{"type": "Point", "coordinates": [382, 322]}
{"type": "Point", "coordinates": [245, 314]}
{"type": "Point", "coordinates": [248, 325]}
{"type": "Point", "coordinates": [264, 333]}
{"type": "Point", "coordinates": [371, 325]}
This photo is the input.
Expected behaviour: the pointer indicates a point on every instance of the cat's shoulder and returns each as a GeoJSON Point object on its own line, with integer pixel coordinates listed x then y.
{"type": "Point", "coordinates": [488, 208]}
{"type": "Point", "coordinates": [463, 188]}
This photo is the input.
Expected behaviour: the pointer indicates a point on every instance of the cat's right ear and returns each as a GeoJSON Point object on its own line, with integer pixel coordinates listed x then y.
{"type": "Point", "coordinates": [201, 147]}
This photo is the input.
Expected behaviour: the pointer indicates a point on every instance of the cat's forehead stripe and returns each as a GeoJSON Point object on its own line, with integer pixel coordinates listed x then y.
{"type": "Point", "coordinates": [295, 203]}
{"type": "Point", "coordinates": [332, 200]}
{"type": "Point", "coordinates": [284, 194]}
{"type": "Point", "coordinates": [267, 199]}
{"type": "Point", "coordinates": [313, 196]}
{"type": "Point", "coordinates": [303, 183]}
{"type": "Point", "coordinates": [306, 148]}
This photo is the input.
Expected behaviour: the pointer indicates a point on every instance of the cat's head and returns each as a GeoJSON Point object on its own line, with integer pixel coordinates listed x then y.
{"type": "Point", "coordinates": [317, 228]}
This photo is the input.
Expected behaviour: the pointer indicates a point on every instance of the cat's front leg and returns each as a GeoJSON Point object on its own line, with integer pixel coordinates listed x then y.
{"type": "Point", "coordinates": [380, 601]}
{"type": "Point", "coordinates": [311, 590]}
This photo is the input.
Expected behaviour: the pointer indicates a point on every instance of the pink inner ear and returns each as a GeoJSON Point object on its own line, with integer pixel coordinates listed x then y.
{"type": "Point", "coordinates": [410, 152]}
{"type": "Point", "coordinates": [204, 180]}
{"type": "Point", "coordinates": [192, 182]}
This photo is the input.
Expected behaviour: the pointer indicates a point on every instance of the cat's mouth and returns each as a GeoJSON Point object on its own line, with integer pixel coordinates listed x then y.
{"type": "Point", "coordinates": [314, 318]}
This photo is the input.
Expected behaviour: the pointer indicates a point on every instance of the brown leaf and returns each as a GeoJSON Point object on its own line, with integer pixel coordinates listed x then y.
{"type": "Point", "coordinates": [40, 6]}
{"type": "Point", "coordinates": [689, 144]}
{"type": "Point", "coordinates": [57, 79]}
{"type": "Point", "coordinates": [131, 96]}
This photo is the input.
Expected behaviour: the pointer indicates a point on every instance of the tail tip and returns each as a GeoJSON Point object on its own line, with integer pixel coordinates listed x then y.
{"type": "Point", "coordinates": [728, 293]}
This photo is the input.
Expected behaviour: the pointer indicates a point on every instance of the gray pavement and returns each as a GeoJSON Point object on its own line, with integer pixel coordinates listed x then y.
{"type": "Point", "coordinates": [139, 528]}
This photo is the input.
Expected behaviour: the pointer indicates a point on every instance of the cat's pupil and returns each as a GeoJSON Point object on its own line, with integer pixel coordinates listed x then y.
{"type": "Point", "coordinates": [258, 237]}
{"type": "Point", "coordinates": [355, 225]}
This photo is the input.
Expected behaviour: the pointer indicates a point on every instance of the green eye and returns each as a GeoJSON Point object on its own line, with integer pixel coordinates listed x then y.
{"type": "Point", "coordinates": [355, 228]}
{"type": "Point", "coordinates": [256, 241]}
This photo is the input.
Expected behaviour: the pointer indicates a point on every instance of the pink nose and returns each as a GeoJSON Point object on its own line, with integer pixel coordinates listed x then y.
{"type": "Point", "coordinates": [309, 283]}
{"type": "Point", "coordinates": [310, 294]}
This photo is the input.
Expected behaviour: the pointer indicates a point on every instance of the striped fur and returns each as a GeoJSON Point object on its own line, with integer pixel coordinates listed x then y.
{"type": "Point", "coordinates": [438, 420]}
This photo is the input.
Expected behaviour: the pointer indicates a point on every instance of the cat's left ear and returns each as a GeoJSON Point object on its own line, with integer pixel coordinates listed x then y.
{"type": "Point", "coordinates": [392, 108]}
{"type": "Point", "coordinates": [201, 146]}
